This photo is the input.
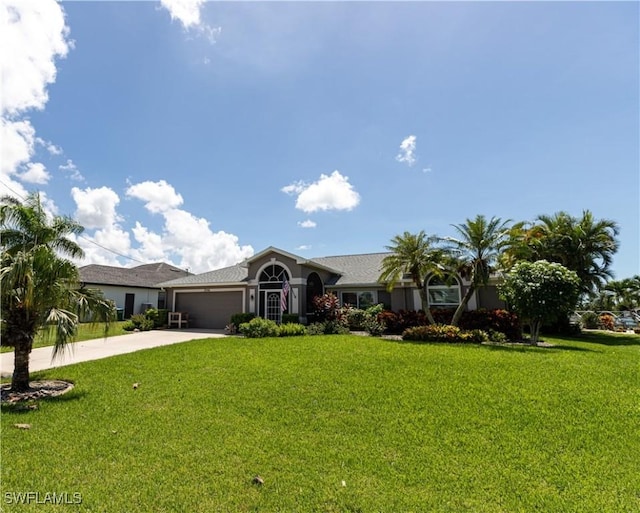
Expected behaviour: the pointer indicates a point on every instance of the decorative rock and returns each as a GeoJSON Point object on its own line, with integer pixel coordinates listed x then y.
{"type": "Point", "coordinates": [257, 480]}
{"type": "Point", "coordinates": [23, 426]}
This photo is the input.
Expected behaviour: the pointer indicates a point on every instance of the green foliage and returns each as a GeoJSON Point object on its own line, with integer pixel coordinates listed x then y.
{"type": "Point", "coordinates": [540, 291]}
{"type": "Point", "coordinates": [158, 316]}
{"type": "Point", "coordinates": [290, 318]}
{"type": "Point", "coordinates": [139, 322]}
{"type": "Point", "coordinates": [416, 255]}
{"type": "Point", "coordinates": [477, 250]}
{"type": "Point", "coordinates": [583, 244]}
{"type": "Point", "coordinates": [39, 288]}
{"type": "Point", "coordinates": [589, 320]}
{"type": "Point", "coordinates": [292, 329]}
{"type": "Point", "coordinates": [240, 318]}
{"type": "Point", "coordinates": [497, 336]}
{"type": "Point", "coordinates": [444, 333]}
{"type": "Point", "coordinates": [332, 327]}
{"type": "Point", "coordinates": [355, 317]}
{"type": "Point", "coordinates": [259, 328]}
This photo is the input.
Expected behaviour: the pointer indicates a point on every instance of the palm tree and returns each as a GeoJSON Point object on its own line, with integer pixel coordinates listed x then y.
{"type": "Point", "coordinates": [416, 255]}
{"type": "Point", "coordinates": [39, 288]}
{"type": "Point", "coordinates": [477, 250]}
{"type": "Point", "coordinates": [584, 245]}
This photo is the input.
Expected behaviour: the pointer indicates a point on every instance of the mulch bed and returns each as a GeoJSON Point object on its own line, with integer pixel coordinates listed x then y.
{"type": "Point", "coordinates": [38, 390]}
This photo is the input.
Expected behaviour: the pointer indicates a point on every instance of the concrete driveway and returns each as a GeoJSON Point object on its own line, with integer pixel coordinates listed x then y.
{"type": "Point", "coordinates": [105, 347]}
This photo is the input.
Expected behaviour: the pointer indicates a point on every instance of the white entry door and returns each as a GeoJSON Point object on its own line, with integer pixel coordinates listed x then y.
{"type": "Point", "coordinates": [271, 301]}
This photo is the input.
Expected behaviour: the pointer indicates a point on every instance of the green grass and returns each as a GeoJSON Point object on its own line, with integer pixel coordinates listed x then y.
{"type": "Point", "coordinates": [86, 331]}
{"type": "Point", "coordinates": [407, 427]}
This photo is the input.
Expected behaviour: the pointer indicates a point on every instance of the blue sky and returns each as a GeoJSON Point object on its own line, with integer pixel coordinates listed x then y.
{"type": "Point", "coordinates": [201, 136]}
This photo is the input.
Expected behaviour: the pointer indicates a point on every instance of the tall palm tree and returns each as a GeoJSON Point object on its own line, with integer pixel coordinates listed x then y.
{"type": "Point", "coordinates": [39, 288]}
{"type": "Point", "coordinates": [477, 249]}
{"type": "Point", "coordinates": [416, 255]}
{"type": "Point", "coordinates": [584, 245]}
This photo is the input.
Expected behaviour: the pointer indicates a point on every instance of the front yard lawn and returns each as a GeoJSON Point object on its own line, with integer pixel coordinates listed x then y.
{"type": "Point", "coordinates": [337, 424]}
{"type": "Point", "coordinates": [86, 331]}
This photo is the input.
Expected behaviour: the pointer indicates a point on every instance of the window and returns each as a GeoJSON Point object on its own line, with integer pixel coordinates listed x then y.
{"type": "Point", "coordinates": [443, 292]}
{"type": "Point", "coordinates": [360, 299]}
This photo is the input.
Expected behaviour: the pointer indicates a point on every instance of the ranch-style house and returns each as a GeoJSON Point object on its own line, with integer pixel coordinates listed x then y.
{"type": "Point", "coordinates": [256, 285]}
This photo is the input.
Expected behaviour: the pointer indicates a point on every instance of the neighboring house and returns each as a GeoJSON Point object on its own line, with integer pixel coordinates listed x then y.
{"type": "Point", "coordinates": [133, 289]}
{"type": "Point", "coordinates": [256, 285]}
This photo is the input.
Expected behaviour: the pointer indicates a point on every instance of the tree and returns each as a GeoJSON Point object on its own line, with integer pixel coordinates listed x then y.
{"type": "Point", "coordinates": [416, 255]}
{"type": "Point", "coordinates": [540, 292]}
{"type": "Point", "coordinates": [39, 288]}
{"type": "Point", "coordinates": [477, 250]}
{"type": "Point", "coordinates": [584, 245]}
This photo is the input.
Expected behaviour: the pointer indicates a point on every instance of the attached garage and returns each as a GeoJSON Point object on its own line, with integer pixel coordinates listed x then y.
{"type": "Point", "coordinates": [210, 310]}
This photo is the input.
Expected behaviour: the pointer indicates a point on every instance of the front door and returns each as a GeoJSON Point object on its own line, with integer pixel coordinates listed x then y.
{"type": "Point", "coordinates": [271, 304]}
{"type": "Point", "coordinates": [129, 301]}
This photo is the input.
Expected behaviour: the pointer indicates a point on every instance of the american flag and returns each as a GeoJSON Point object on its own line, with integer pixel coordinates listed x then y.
{"type": "Point", "coordinates": [283, 297]}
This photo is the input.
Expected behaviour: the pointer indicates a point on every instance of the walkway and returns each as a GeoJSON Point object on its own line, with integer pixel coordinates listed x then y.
{"type": "Point", "coordinates": [105, 347]}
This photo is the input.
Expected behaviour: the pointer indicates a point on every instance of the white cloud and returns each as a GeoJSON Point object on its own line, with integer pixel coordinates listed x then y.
{"type": "Point", "coordinates": [36, 33]}
{"type": "Point", "coordinates": [96, 208]}
{"type": "Point", "coordinates": [333, 192]}
{"type": "Point", "coordinates": [303, 247]}
{"type": "Point", "coordinates": [17, 144]}
{"type": "Point", "coordinates": [184, 236]}
{"type": "Point", "coordinates": [407, 152]}
{"type": "Point", "coordinates": [72, 170]}
{"type": "Point", "coordinates": [188, 12]}
{"type": "Point", "coordinates": [159, 196]}
{"type": "Point", "coordinates": [51, 148]}
{"type": "Point", "coordinates": [35, 173]}
{"type": "Point", "coordinates": [307, 224]}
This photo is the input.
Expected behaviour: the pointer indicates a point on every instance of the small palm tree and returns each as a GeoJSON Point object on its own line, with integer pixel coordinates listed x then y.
{"type": "Point", "coordinates": [416, 255]}
{"type": "Point", "coordinates": [39, 289]}
{"type": "Point", "coordinates": [477, 250]}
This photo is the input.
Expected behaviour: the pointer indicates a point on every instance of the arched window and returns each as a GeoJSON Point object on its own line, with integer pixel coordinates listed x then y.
{"type": "Point", "coordinates": [272, 298]}
{"type": "Point", "coordinates": [314, 288]}
{"type": "Point", "coordinates": [443, 292]}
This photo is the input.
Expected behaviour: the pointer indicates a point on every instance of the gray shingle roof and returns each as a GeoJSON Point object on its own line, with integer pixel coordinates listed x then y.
{"type": "Point", "coordinates": [352, 269]}
{"type": "Point", "coordinates": [355, 269]}
{"type": "Point", "coordinates": [147, 275]}
{"type": "Point", "coordinates": [234, 274]}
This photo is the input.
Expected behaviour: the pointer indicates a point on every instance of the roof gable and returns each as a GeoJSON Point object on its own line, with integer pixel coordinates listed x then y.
{"type": "Point", "coordinates": [146, 275]}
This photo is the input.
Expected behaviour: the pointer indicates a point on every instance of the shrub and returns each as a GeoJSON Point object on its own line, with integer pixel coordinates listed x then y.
{"type": "Point", "coordinates": [159, 317]}
{"type": "Point", "coordinates": [290, 319]}
{"type": "Point", "coordinates": [496, 336]}
{"type": "Point", "coordinates": [138, 322]}
{"type": "Point", "coordinates": [259, 328]}
{"type": "Point", "coordinates": [240, 318]}
{"type": "Point", "coordinates": [334, 327]}
{"type": "Point", "coordinates": [606, 322]}
{"type": "Point", "coordinates": [589, 320]}
{"type": "Point", "coordinates": [373, 326]}
{"type": "Point", "coordinates": [292, 330]}
{"type": "Point", "coordinates": [316, 328]}
{"type": "Point", "coordinates": [327, 308]}
{"type": "Point", "coordinates": [443, 333]}
{"type": "Point", "coordinates": [355, 317]}
{"type": "Point", "coordinates": [496, 320]}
